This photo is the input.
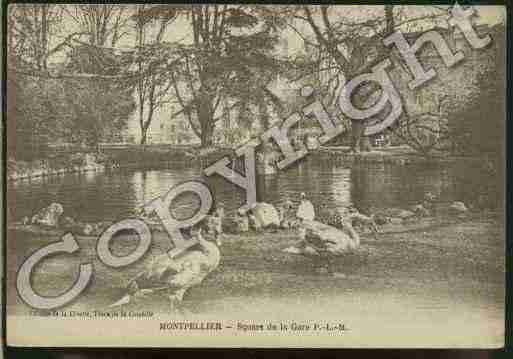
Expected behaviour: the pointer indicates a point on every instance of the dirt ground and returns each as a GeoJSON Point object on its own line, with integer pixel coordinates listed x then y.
{"type": "Point", "coordinates": [438, 270]}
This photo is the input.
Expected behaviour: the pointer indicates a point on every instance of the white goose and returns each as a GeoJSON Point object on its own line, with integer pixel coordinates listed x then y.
{"type": "Point", "coordinates": [175, 275]}
{"type": "Point", "coordinates": [305, 211]}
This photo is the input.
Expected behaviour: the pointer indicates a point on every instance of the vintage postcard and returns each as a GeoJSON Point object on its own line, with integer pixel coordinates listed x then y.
{"type": "Point", "coordinates": [319, 176]}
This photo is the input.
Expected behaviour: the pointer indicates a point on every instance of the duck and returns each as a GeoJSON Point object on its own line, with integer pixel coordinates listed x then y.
{"type": "Point", "coordinates": [346, 219]}
{"type": "Point", "coordinates": [175, 276]}
{"type": "Point", "coordinates": [332, 217]}
{"type": "Point", "coordinates": [253, 222]}
{"type": "Point", "coordinates": [241, 221]}
{"type": "Point", "coordinates": [430, 197]}
{"type": "Point", "coordinates": [362, 221]}
{"type": "Point", "coordinates": [287, 215]}
{"type": "Point", "coordinates": [214, 222]}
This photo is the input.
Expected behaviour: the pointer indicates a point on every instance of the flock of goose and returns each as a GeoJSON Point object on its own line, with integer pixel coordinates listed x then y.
{"type": "Point", "coordinates": [174, 276]}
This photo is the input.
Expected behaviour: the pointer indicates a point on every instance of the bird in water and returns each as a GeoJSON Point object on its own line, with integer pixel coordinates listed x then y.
{"type": "Point", "coordinates": [174, 276]}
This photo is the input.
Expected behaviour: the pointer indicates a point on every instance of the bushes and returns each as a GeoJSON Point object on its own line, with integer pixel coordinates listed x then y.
{"type": "Point", "coordinates": [74, 109]}
{"type": "Point", "coordinates": [48, 111]}
{"type": "Point", "coordinates": [476, 127]}
{"type": "Point", "coordinates": [480, 128]}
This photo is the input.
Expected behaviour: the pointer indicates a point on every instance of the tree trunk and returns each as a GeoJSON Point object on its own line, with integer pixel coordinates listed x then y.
{"type": "Point", "coordinates": [205, 116]}
{"type": "Point", "coordinates": [389, 19]}
{"type": "Point", "coordinates": [44, 37]}
{"type": "Point", "coordinates": [207, 134]}
{"type": "Point", "coordinates": [263, 114]}
{"type": "Point", "coordinates": [359, 142]}
{"type": "Point", "coordinates": [357, 130]}
{"type": "Point", "coordinates": [365, 144]}
{"type": "Point", "coordinates": [144, 135]}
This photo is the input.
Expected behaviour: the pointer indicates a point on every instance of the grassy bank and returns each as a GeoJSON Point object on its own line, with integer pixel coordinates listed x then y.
{"type": "Point", "coordinates": [163, 156]}
{"type": "Point", "coordinates": [394, 154]}
{"type": "Point", "coordinates": [108, 158]}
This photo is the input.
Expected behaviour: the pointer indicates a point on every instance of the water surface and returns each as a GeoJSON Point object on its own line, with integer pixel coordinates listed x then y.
{"type": "Point", "coordinates": [110, 196]}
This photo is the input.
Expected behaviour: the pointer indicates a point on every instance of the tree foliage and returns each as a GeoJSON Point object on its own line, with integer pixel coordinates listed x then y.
{"type": "Point", "coordinates": [477, 125]}
{"type": "Point", "coordinates": [203, 63]}
{"type": "Point", "coordinates": [43, 108]}
{"type": "Point", "coordinates": [151, 84]}
{"type": "Point", "coordinates": [230, 60]}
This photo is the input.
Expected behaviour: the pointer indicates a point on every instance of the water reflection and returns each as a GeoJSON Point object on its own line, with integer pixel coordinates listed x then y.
{"type": "Point", "coordinates": [341, 186]}
{"type": "Point", "coordinates": [394, 185]}
{"type": "Point", "coordinates": [148, 185]}
{"type": "Point", "coordinates": [110, 196]}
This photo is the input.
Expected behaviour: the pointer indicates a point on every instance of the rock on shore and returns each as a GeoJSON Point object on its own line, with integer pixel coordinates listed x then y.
{"type": "Point", "coordinates": [48, 216]}
{"type": "Point", "coordinates": [458, 208]}
{"type": "Point", "coordinates": [265, 214]}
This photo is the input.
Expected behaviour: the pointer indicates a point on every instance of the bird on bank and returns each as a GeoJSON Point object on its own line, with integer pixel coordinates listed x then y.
{"type": "Point", "coordinates": [360, 220]}
{"type": "Point", "coordinates": [287, 214]}
{"type": "Point", "coordinates": [305, 211]}
{"type": "Point", "coordinates": [254, 223]}
{"type": "Point", "coordinates": [241, 221]}
{"type": "Point", "coordinates": [174, 276]}
{"type": "Point", "coordinates": [214, 222]}
{"type": "Point", "coordinates": [348, 218]}
{"type": "Point", "coordinates": [323, 243]}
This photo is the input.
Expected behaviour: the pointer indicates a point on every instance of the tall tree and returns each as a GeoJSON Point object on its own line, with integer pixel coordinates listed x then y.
{"type": "Point", "coordinates": [31, 41]}
{"type": "Point", "coordinates": [105, 103]}
{"type": "Point", "coordinates": [104, 24]}
{"type": "Point", "coordinates": [229, 58]}
{"type": "Point", "coordinates": [351, 46]}
{"type": "Point", "coordinates": [151, 85]}
{"type": "Point", "coordinates": [31, 28]}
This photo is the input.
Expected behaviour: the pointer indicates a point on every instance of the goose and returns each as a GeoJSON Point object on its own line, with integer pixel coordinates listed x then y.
{"type": "Point", "coordinates": [286, 212]}
{"type": "Point", "coordinates": [253, 222]}
{"type": "Point", "coordinates": [362, 221]}
{"type": "Point", "coordinates": [214, 222]}
{"type": "Point", "coordinates": [305, 211]}
{"type": "Point", "coordinates": [322, 243]}
{"type": "Point", "coordinates": [346, 219]}
{"type": "Point", "coordinates": [175, 276]}
{"type": "Point", "coordinates": [241, 221]}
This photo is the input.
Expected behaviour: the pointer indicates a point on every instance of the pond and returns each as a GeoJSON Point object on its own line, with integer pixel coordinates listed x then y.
{"type": "Point", "coordinates": [452, 273]}
{"type": "Point", "coordinates": [96, 196]}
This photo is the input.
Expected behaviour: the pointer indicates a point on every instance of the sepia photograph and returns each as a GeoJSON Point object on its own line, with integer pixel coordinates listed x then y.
{"type": "Point", "coordinates": [284, 176]}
